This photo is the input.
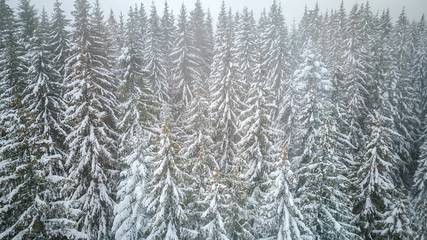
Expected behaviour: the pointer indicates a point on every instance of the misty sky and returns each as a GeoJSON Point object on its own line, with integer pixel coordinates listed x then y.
{"type": "Point", "coordinates": [293, 9]}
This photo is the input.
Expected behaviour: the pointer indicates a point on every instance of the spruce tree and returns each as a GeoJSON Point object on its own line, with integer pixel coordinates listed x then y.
{"type": "Point", "coordinates": [420, 192]}
{"type": "Point", "coordinates": [154, 56]}
{"type": "Point", "coordinates": [275, 49]}
{"type": "Point", "coordinates": [282, 217]}
{"type": "Point", "coordinates": [200, 30]}
{"type": "Point", "coordinates": [193, 99]}
{"type": "Point", "coordinates": [166, 195]}
{"type": "Point", "coordinates": [59, 41]}
{"type": "Point", "coordinates": [257, 146]}
{"type": "Point", "coordinates": [245, 48]}
{"type": "Point", "coordinates": [168, 37]}
{"type": "Point", "coordinates": [185, 60]}
{"type": "Point", "coordinates": [91, 141]}
{"type": "Point", "coordinates": [380, 208]}
{"type": "Point", "coordinates": [405, 95]}
{"type": "Point", "coordinates": [138, 111]}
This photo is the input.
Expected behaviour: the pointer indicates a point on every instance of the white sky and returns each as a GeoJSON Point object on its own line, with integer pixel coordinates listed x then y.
{"type": "Point", "coordinates": [293, 9]}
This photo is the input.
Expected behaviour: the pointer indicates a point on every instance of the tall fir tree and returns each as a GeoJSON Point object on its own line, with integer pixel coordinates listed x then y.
{"type": "Point", "coordinates": [91, 142]}
{"type": "Point", "coordinates": [59, 38]}
{"type": "Point", "coordinates": [138, 111]}
{"type": "Point", "coordinates": [283, 219]}
{"type": "Point", "coordinates": [404, 96]}
{"type": "Point", "coordinates": [155, 59]}
{"type": "Point", "coordinates": [168, 37]}
{"type": "Point", "coordinates": [275, 49]}
{"type": "Point", "coordinates": [199, 29]}
{"type": "Point", "coordinates": [185, 61]}
{"type": "Point", "coordinates": [257, 144]}
{"type": "Point", "coordinates": [166, 196]}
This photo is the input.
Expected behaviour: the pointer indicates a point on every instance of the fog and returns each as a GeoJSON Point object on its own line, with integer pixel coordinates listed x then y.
{"type": "Point", "coordinates": [293, 9]}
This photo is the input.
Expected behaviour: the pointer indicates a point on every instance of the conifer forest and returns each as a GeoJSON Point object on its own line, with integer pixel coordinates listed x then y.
{"type": "Point", "coordinates": [158, 125]}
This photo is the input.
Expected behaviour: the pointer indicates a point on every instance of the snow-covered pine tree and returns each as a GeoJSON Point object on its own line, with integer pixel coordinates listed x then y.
{"type": "Point", "coordinates": [405, 118]}
{"type": "Point", "coordinates": [43, 93]}
{"type": "Point", "coordinates": [225, 94]}
{"type": "Point", "coordinates": [276, 54]}
{"type": "Point", "coordinates": [213, 226]}
{"type": "Point", "coordinates": [381, 210]}
{"type": "Point", "coordinates": [59, 39]}
{"type": "Point", "coordinates": [351, 85]}
{"type": "Point", "coordinates": [91, 141]}
{"type": "Point", "coordinates": [198, 28]}
{"type": "Point", "coordinates": [27, 23]}
{"type": "Point", "coordinates": [200, 161]}
{"type": "Point", "coordinates": [420, 177]}
{"type": "Point", "coordinates": [168, 38]}
{"type": "Point", "coordinates": [193, 100]}
{"type": "Point", "coordinates": [420, 190]}
{"type": "Point", "coordinates": [419, 66]}
{"type": "Point", "coordinates": [312, 87]}
{"type": "Point", "coordinates": [282, 218]}
{"type": "Point", "coordinates": [245, 48]}
{"type": "Point", "coordinates": [120, 32]}
{"type": "Point", "coordinates": [139, 111]}
{"type": "Point", "coordinates": [336, 32]}
{"type": "Point", "coordinates": [9, 57]}
{"type": "Point", "coordinates": [28, 184]}
{"type": "Point", "coordinates": [114, 37]}
{"type": "Point", "coordinates": [225, 108]}
{"type": "Point", "coordinates": [185, 60]}
{"type": "Point", "coordinates": [5, 13]}
{"type": "Point", "coordinates": [257, 144]}
{"type": "Point", "coordinates": [166, 196]}
{"type": "Point", "coordinates": [155, 59]}
{"type": "Point", "coordinates": [326, 206]}
{"type": "Point", "coordinates": [209, 41]}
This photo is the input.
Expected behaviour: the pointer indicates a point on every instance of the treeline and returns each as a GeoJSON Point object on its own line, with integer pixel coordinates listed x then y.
{"type": "Point", "coordinates": [153, 126]}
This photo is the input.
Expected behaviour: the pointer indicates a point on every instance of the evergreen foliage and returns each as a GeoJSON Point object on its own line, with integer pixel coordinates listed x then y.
{"type": "Point", "coordinates": [157, 126]}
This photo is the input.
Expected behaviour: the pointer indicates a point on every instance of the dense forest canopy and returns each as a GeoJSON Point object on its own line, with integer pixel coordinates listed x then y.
{"type": "Point", "coordinates": [154, 125]}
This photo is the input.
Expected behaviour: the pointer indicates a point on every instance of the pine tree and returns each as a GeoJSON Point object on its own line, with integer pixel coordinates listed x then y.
{"type": "Point", "coordinates": [323, 199]}
{"type": "Point", "coordinates": [168, 37]}
{"type": "Point", "coordinates": [405, 95]}
{"type": "Point", "coordinates": [351, 86]}
{"type": "Point", "coordinates": [155, 58]}
{"type": "Point", "coordinates": [5, 15]}
{"type": "Point", "coordinates": [185, 59]}
{"type": "Point", "coordinates": [225, 94]}
{"type": "Point", "coordinates": [226, 106]}
{"type": "Point", "coordinates": [59, 39]}
{"type": "Point", "coordinates": [420, 192]}
{"type": "Point", "coordinates": [313, 87]}
{"type": "Point", "coordinates": [27, 184]}
{"type": "Point", "coordinates": [193, 99]}
{"type": "Point", "coordinates": [197, 150]}
{"type": "Point", "coordinates": [245, 48]}
{"type": "Point", "coordinates": [166, 196]}
{"type": "Point", "coordinates": [199, 29]}
{"type": "Point", "coordinates": [380, 206]}
{"type": "Point", "coordinates": [91, 142]}
{"type": "Point", "coordinates": [420, 177]}
{"type": "Point", "coordinates": [257, 143]}
{"type": "Point", "coordinates": [138, 114]}
{"type": "Point", "coordinates": [275, 48]}
{"type": "Point", "coordinates": [282, 218]}
{"type": "Point", "coordinates": [27, 23]}
{"type": "Point", "coordinates": [43, 93]}
{"type": "Point", "coordinates": [213, 227]}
